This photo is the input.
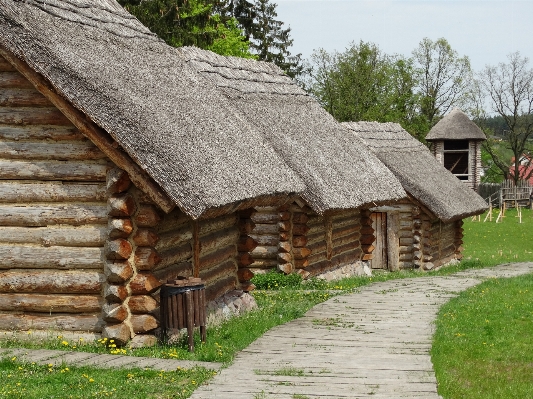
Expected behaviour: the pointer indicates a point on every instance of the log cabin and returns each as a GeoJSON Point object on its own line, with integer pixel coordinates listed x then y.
{"type": "Point", "coordinates": [329, 227]}
{"type": "Point", "coordinates": [456, 143]}
{"type": "Point", "coordinates": [117, 172]}
{"type": "Point", "coordinates": [123, 165]}
{"type": "Point", "coordinates": [425, 230]}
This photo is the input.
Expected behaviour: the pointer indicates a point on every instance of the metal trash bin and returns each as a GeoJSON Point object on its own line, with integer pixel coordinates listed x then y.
{"type": "Point", "coordinates": [183, 306]}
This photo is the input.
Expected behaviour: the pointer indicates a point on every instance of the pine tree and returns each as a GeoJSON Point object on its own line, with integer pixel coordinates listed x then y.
{"type": "Point", "coordinates": [208, 24]}
{"type": "Point", "coordinates": [246, 14]}
{"type": "Point", "coordinates": [177, 22]}
{"type": "Point", "coordinates": [268, 40]}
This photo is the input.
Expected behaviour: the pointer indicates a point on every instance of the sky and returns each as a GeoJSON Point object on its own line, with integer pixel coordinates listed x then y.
{"type": "Point", "coordinates": [485, 31]}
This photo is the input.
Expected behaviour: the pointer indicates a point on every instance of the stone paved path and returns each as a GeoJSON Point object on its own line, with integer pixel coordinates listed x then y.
{"type": "Point", "coordinates": [371, 344]}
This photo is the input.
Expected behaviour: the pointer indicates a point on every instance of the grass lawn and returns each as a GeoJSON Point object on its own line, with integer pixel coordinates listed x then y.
{"type": "Point", "coordinates": [495, 243]}
{"type": "Point", "coordinates": [483, 342]}
{"type": "Point", "coordinates": [282, 300]}
{"type": "Point", "coordinates": [29, 380]}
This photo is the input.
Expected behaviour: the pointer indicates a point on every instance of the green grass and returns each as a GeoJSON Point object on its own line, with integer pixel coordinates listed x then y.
{"type": "Point", "coordinates": [29, 380]}
{"type": "Point", "coordinates": [482, 345]}
{"type": "Point", "coordinates": [495, 243]}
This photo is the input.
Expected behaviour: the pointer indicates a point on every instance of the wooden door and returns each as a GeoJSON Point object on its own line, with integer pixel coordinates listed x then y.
{"type": "Point", "coordinates": [379, 224]}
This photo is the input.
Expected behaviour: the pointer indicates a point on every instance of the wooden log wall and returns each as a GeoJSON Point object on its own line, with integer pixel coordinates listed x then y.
{"type": "Point", "coordinates": [247, 263]}
{"type": "Point", "coordinates": [417, 237]}
{"type": "Point", "coordinates": [336, 240]}
{"type": "Point", "coordinates": [276, 239]}
{"type": "Point", "coordinates": [441, 242]}
{"type": "Point", "coordinates": [156, 247]}
{"type": "Point", "coordinates": [130, 254]}
{"type": "Point", "coordinates": [53, 215]}
{"type": "Point", "coordinates": [218, 240]}
{"type": "Point", "coordinates": [408, 248]}
{"type": "Point", "coordinates": [368, 235]}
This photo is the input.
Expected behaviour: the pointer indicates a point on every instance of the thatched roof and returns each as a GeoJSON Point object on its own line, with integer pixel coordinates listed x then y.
{"type": "Point", "coordinates": [419, 172]}
{"type": "Point", "coordinates": [455, 126]}
{"type": "Point", "coordinates": [338, 171]}
{"type": "Point", "coordinates": [182, 132]}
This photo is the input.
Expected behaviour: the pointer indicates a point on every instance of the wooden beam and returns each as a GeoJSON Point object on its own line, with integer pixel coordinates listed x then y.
{"type": "Point", "coordinates": [96, 134]}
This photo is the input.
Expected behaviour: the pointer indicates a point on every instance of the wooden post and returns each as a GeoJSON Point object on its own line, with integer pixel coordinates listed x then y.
{"type": "Point", "coordinates": [190, 318]}
{"type": "Point", "coordinates": [196, 248]}
{"type": "Point", "coordinates": [393, 226]}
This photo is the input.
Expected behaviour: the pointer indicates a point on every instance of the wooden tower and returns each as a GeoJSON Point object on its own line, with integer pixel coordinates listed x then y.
{"type": "Point", "coordinates": [456, 143]}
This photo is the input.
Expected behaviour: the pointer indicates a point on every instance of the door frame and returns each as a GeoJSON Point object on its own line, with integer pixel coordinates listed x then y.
{"type": "Point", "coordinates": [392, 240]}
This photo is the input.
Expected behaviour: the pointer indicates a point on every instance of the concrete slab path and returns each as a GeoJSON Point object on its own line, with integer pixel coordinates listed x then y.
{"type": "Point", "coordinates": [374, 343]}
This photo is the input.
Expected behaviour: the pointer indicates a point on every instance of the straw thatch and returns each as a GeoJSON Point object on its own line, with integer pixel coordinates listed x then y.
{"type": "Point", "coordinates": [455, 126]}
{"type": "Point", "coordinates": [338, 171]}
{"type": "Point", "coordinates": [178, 129]}
{"type": "Point", "coordinates": [418, 171]}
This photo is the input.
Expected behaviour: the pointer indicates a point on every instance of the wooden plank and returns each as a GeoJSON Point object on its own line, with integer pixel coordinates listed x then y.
{"type": "Point", "coordinates": [173, 271]}
{"type": "Point", "coordinates": [174, 238]}
{"type": "Point", "coordinates": [263, 263]}
{"type": "Point", "coordinates": [140, 304]}
{"type": "Point", "coordinates": [219, 271]}
{"type": "Point", "coordinates": [52, 281]}
{"type": "Point", "coordinates": [36, 257]}
{"type": "Point", "coordinates": [265, 218]}
{"type": "Point", "coordinates": [25, 191]}
{"type": "Point", "coordinates": [33, 116]}
{"type": "Point", "coordinates": [220, 223]}
{"type": "Point", "coordinates": [15, 97]}
{"type": "Point", "coordinates": [219, 239]}
{"type": "Point", "coordinates": [50, 303]}
{"type": "Point", "coordinates": [52, 170]}
{"type": "Point", "coordinates": [40, 132]}
{"type": "Point", "coordinates": [218, 257]}
{"type": "Point", "coordinates": [393, 225]}
{"type": "Point", "coordinates": [264, 252]}
{"type": "Point", "coordinates": [265, 229]}
{"type": "Point", "coordinates": [6, 66]}
{"type": "Point", "coordinates": [175, 255]}
{"type": "Point", "coordinates": [51, 214]}
{"type": "Point", "coordinates": [14, 79]}
{"type": "Point", "coordinates": [66, 236]}
{"type": "Point", "coordinates": [65, 151]}
{"type": "Point", "coordinates": [220, 287]}
{"type": "Point", "coordinates": [266, 239]}
{"type": "Point", "coordinates": [379, 221]}
{"type": "Point", "coordinates": [47, 322]}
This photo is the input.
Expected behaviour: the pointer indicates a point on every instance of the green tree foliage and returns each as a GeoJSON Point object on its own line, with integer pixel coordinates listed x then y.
{"type": "Point", "coordinates": [268, 40]}
{"type": "Point", "coordinates": [508, 88]}
{"type": "Point", "coordinates": [362, 83]}
{"type": "Point", "coordinates": [201, 23]}
{"type": "Point", "coordinates": [231, 40]}
{"type": "Point", "coordinates": [442, 78]}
